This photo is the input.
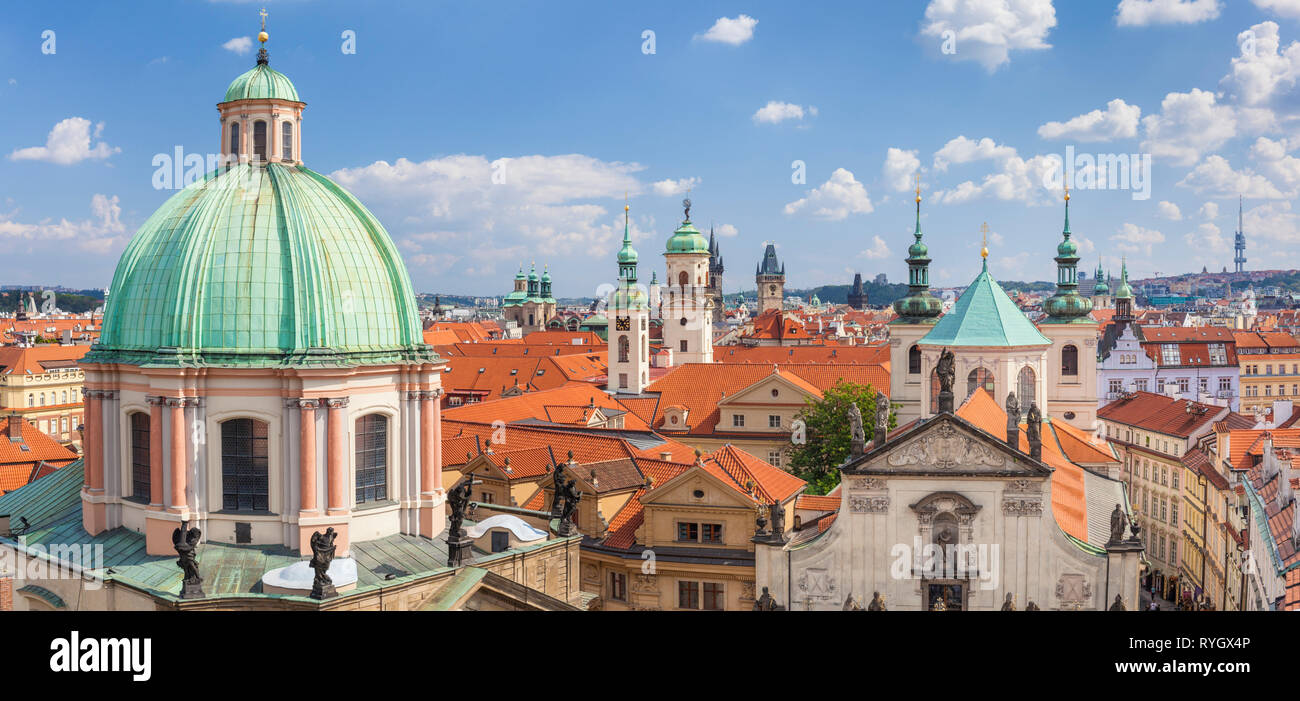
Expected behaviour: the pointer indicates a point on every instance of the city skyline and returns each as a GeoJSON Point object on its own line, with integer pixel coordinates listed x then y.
{"type": "Point", "coordinates": [512, 157]}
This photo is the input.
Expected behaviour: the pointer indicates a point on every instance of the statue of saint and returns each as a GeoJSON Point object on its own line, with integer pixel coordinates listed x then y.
{"type": "Point", "coordinates": [777, 514]}
{"type": "Point", "coordinates": [1118, 605]}
{"type": "Point", "coordinates": [186, 541]}
{"type": "Point", "coordinates": [765, 602]}
{"type": "Point", "coordinates": [857, 435]}
{"type": "Point", "coordinates": [322, 554]}
{"type": "Point", "coordinates": [1009, 603]}
{"type": "Point", "coordinates": [1118, 523]}
{"type": "Point", "coordinates": [946, 370]}
{"type": "Point", "coordinates": [882, 417]}
{"type": "Point", "coordinates": [877, 602]}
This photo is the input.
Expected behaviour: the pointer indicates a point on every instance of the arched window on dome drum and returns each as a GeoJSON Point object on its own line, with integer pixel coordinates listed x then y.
{"type": "Point", "coordinates": [623, 348]}
{"type": "Point", "coordinates": [1070, 361]}
{"type": "Point", "coordinates": [140, 455]}
{"type": "Point", "coordinates": [372, 458]}
{"type": "Point", "coordinates": [234, 138]}
{"type": "Point", "coordinates": [683, 279]}
{"type": "Point", "coordinates": [245, 481]}
{"type": "Point", "coordinates": [980, 377]}
{"type": "Point", "coordinates": [259, 140]}
{"type": "Point", "coordinates": [1026, 387]}
{"type": "Point", "coordinates": [286, 140]}
{"type": "Point", "coordinates": [914, 361]}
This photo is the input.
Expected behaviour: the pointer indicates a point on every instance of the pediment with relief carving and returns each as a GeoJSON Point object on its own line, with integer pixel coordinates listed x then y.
{"type": "Point", "coordinates": [946, 445]}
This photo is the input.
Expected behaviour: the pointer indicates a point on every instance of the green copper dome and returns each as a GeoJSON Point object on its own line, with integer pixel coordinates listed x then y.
{"type": "Point", "coordinates": [1067, 248]}
{"type": "Point", "coordinates": [1124, 291]}
{"type": "Point", "coordinates": [1067, 306]}
{"type": "Point", "coordinates": [687, 239]}
{"type": "Point", "coordinates": [918, 249]}
{"type": "Point", "coordinates": [261, 265]}
{"type": "Point", "coordinates": [1101, 287]}
{"type": "Point", "coordinates": [260, 83]}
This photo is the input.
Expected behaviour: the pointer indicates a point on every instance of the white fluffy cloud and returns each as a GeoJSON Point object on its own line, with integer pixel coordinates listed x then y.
{"type": "Point", "coordinates": [775, 112]}
{"type": "Point", "coordinates": [1281, 8]}
{"type": "Point", "coordinates": [1118, 121]}
{"type": "Point", "coordinates": [1209, 210]}
{"type": "Point", "coordinates": [99, 234]}
{"type": "Point", "coordinates": [1168, 210]}
{"type": "Point", "coordinates": [1263, 81]}
{"type": "Point", "coordinates": [1132, 238]}
{"type": "Point", "coordinates": [67, 143]}
{"type": "Point", "coordinates": [1139, 13]}
{"type": "Point", "coordinates": [835, 199]}
{"type": "Point", "coordinates": [1275, 162]}
{"type": "Point", "coordinates": [1215, 177]}
{"type": "Point", "coordinates": [1207, 244]}
{"type": "Point", "coordinates": [1188, 125]}
{"type": "Point", "coordinates": [727, 231]}
{"type": "Point", "coordinates": [879, 249]}
{"type": "Point", "coordinates": [899, 168]}
{"type": "Point", "coordinates": [239, 45]}
{"type": "Point", "coordinates": [729, 30]}
{"type": "Point", "coordinates": [963, 150]}
{"type": "Point", "coordinates": [1015, 178]}
{"type": "Point", "coordinates": [987, 31]}
{"type": "Point", "coordinates": [455, 210]}
{"type": "Point", "coordinates": [670, 187]}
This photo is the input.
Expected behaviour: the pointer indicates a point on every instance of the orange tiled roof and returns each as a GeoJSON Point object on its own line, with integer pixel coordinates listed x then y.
{"type": "Point", "coordinates": [815, 502]}
{"type": "Point", "coordinates": [489, 377]}
{"type": "Point", "coordinates": [524, 464]}
{"type": "Point", "coordinates": [39, 359]}
{"type": "Point", "coordinates": [32, 457]}
{"type": "Point", "coordinates": [1161, 414]}
{"type": "Point", "coordinates": [571, 403]}
{"type": "Point", "coordinates": [742, 469]}
{"type": "Point", "coordinates": [1080, 447]}
{"type": "Point", "coordinates": [700, 386]}
{"type": "Point", "coordinates": [867, 355]}
{"type": "Point", "coordinates": [563, 338]}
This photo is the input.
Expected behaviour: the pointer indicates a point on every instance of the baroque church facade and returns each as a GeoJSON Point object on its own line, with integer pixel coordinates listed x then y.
{"type": "Point", "coordinates": [530, 305]}
{"type": "Point", "coordinates": [966, 506]}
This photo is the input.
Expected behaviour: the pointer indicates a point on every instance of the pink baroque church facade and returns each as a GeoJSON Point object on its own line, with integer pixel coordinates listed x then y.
{"type": "Point", "coordinates": [262, 374]}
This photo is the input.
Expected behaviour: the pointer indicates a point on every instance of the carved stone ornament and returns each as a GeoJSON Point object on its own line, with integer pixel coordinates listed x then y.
{"type": "Point", "coordinates": [645, 584]}
{"type": "Point", "coordinates": [1073, 588]}
{"type": "Point", "coordinates": [862, 504]}
{"type": "Point", "coordinates": [747, 590]}
{"type": "Point", "coordinates": [817, 583]}
{"type": "Point", "coordinates": [1022, 486]}
{"type": "Point", "coordinates": [946, 447]}
{"type": "Point", "coordinates": [1022, 507]}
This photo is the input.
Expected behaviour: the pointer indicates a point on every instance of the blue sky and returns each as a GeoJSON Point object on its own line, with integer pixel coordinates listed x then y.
{"type": "Point", "coordinates": [437, 94]}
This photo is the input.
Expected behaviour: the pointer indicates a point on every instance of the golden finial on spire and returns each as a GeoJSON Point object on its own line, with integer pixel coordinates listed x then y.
{"type": "Point", "coordinates": [262, 36]}
{"type": "Point", "coordinates": [1067, 192]}
{"type": "Point", "coordinates": [918, 188]}
{"type": "Point", "coordinates": [984, 233]}
{"type": "Point", "coordinates": [626, 206]}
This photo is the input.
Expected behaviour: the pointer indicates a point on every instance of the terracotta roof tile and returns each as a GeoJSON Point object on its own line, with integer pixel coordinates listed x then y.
{"type": "Point", "coordinates": [1161, 414]}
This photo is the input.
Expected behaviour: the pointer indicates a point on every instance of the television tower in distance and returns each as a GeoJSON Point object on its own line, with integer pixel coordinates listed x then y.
{"type": "Point", "coordinates": [1240, 244]}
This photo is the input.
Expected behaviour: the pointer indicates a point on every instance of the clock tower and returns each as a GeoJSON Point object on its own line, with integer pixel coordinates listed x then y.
{"type": "Point", "coordinates": [629, 334]}
{"type": "Point", "coordinates": [687, 307]}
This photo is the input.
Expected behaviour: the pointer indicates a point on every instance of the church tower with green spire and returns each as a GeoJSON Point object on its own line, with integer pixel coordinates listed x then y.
{"type": "Point", "coordinates": [629, 334]}
{"type": "Point", "coordinates": [917, 314]}
{"type": "Point", "coordinates": [1071, 387]}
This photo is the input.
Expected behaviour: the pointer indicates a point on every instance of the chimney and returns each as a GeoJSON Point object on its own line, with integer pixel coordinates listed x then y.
{"type": "Point", "coordinates": [666, 456]}
{"type": "Point", "coordinates": [16, 428]}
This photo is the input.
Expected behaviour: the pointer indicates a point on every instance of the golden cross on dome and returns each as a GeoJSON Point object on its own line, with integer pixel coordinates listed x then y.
{"type": "Point", "coordinates": [984, 232]}
{"type": "Point", "coordinates": [263, 14]}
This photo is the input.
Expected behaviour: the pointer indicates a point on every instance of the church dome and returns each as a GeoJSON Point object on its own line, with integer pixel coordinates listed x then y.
{"type": "Point", "coordinates": [261, 265]}
{"type": "Point", "coordinates": [918, 249]}
{"type": "Point", "coordinates": [262, 83]}
{"type": "Point", "coordinates": [687, 239]}
{"type": "Point", "coordinates": [1070, 305]}
{"type": "Point", "coordinates": [922, 305]}
{"type": "Point", "coordinates": [1101, 288]}
{"type": "Point", "coordinates": [1067, 248]}
{"type": "Point", "coordinates": [985, 316]}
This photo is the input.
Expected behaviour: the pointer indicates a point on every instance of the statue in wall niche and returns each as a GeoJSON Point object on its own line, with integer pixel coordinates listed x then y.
{"type": "Point", "coordinates": [877, 602]}
{"type": "Point", "coordinates": [1118, 524]}
{"type": "Point", "coordinates": [946, 369]}
{"type": "Point", "coordinates": [186, 541]}
{"type": "Point", "coordinates": [1009, 603]}
{"type": "Point", "coordinates": [322, 554]}
{"type": "Point", "coordinates": [857, 435]}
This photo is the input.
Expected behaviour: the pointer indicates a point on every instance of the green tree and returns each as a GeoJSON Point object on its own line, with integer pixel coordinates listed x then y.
{"type": "Point", "coordinates": [827, 434]}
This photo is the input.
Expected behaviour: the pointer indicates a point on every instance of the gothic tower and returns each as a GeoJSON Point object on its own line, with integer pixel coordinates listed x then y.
{"type": "Point", "coordinates": [770, 278]}
{"type": "Point", "coordinates": [715, 272]}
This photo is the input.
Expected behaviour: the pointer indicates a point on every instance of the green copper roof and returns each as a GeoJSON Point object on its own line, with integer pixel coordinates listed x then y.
{"type": "Point", "coordinates": [687, 239]}
{"type": "Point", "coordinates": [260, 83]}
{"type": "Point", "coordinates": [1124, 291]}
{"type": "Point", "coordinates": [261, 265]}
{"type": "Point", "coordinates": [984, 316]}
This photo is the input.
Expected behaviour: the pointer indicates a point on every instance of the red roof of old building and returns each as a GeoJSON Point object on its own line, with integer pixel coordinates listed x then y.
{"type": "Point", "coordinates": [1161, 414]}
{"type": "Point", "coordinates": [28, 456]}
